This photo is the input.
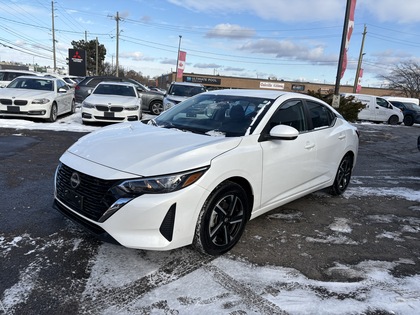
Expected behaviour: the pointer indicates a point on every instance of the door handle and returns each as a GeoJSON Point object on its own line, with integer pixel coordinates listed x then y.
{"type": "Point", "coordinates": [341, 137]}
{"type": "Point", "coordinates": [309, 145]}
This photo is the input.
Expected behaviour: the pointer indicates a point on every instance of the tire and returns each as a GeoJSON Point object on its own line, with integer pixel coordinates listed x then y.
{"type": "Point", "coordinates": [156, 108]}
{"type": "Point", "coordinates": [393, 120]}
{"type": "Point", "coordinates": [408, 120]}
{"type": "Point", "coordinates": [73, 107]}
{"type": "Point", "coordinates": [222, 219]}
{"type": "Point", "coordinates": [342, 178]}
{"type": "Point", "coordinates": [53, 113]}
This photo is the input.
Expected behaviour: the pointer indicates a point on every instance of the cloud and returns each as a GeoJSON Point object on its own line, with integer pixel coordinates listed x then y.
{"type": "Point", "coordinates": [289, 50]}
{"type": "Point", "coordinates": [136, 56]}
{"type": "Point", "coordinates": [281, 10]}
{"type": "Point", "coordinates": [168, 61]}
{"type": "Point", "coordinates": [233, 69]}
{"type": "Point", "coordinates": [390, 11]}
{"type": "Point", "coordinates": [230, 31]}
{"type": "Point", "coordinates": [207, 66]}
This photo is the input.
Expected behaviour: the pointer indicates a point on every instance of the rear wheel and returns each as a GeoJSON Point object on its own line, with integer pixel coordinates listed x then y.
{"type": "Point", "coordinates": [222, 219]}
{"type": "Point", "coordinates": [156, 108]}
{"type": "Point", "coordinates": [342, 178]}
{"type": "Point", "coordinates": [53, 113]}
{"type": "Point", "coordinates": [393, 120]}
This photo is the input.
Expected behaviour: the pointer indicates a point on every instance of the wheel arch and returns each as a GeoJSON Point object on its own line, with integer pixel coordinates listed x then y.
{"type": "Point", "coordinates": [246, 186]}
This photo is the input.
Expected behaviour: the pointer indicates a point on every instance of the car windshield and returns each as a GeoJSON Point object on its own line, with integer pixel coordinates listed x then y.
{"type": "Point", "coordinates": [213, 115]}
{"type": "Point", "coordinates": [186, 90]}
{"type": "Point", "coordinates": [114, 89]}
{"type": "Point", "coordinates": [32, 84]}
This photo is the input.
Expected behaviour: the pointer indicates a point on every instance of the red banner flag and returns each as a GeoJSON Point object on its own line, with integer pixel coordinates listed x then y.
{"type": "Point", "coordinates": [181, 63]}
{"type": "Point", "coordinates": [350, 29]}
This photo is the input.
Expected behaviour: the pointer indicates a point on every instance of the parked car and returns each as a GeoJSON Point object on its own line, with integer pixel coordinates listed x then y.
{"type": "Point", "coordinates": [151, 100]}
{"type": "Point", "coordinates": [180, 91]}
{"type": "Point", "coordinates": [411, 112]}
{"type": "Point", "coordinates": [199, 171]}
{"type": "Point", "coordinates": [377, 109]}
{"type": "Point", "coordinates": [36, 97]}
{"type": "Point", "coordinates": [112, 102]}
{"type": "Point", "coordinates": [7, 76]}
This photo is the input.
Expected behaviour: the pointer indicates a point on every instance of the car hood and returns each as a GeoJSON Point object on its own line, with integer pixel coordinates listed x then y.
{"type": "Point", "coordinates": [24, 93]}
{"type": "Point", "coordinates": [112, 99]}
{"type": "Point", "coordinates": [145, 150]}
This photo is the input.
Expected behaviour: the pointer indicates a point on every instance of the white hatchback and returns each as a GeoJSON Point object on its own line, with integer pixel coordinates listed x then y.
{"type": "Point", "coordinates": [199, 171]}
{"type": "Point", "coordinates": [112, 102]}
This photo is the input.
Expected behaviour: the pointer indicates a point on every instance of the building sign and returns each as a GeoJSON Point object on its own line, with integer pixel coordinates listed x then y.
{"type": "Point", "coordinates": [272, 85]}
{"type": "Point", "coordinates": [77, 62]}
{"type": "Point", "coordinates": [202, 80]}
{"type": "Point", "coordinates": [298, 87]}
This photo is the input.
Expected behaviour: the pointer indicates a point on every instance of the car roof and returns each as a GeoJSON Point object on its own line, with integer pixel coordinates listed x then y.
{"type": "Point", "coordinates": [253, 93]}
{"type": "Point", "coordinates": [125, 83]}
{"type": "Point", "coordinates": [17, 71]}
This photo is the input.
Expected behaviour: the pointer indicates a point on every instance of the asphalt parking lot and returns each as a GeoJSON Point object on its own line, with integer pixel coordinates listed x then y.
{"type": "Point", "coordinates": [50, 266]}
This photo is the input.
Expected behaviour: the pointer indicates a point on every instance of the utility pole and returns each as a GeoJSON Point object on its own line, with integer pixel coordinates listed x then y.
{"type": "Point", "coordinates": [85, 36]}
{"type": "Point", "coordinates": [359, 64]}
{"type": "Point", "coordinates": [53, 35]}
{"type": "Point", "coordinates": [117, 18]}
{"type": "Point", "coordinates": [97, 57]}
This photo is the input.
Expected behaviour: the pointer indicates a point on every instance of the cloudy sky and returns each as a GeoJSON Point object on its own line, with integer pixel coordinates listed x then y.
{"type": "Point", "coordinates": [290, 40]}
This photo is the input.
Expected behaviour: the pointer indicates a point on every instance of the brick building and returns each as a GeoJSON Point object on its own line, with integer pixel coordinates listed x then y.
{"type": "Point", "coordinates": [212, 82]}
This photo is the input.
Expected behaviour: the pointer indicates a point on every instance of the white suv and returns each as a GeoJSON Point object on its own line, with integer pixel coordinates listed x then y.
{"type": "Point", "coordinates": [179, 91]}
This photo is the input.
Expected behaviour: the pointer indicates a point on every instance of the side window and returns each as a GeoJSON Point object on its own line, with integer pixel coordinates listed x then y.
{"type": "Point", "coordinates": [320, 115]}
{"type": "Point", "coordinates": [290, 113]}
{"type": "Point", "coordinates": [382, 102]}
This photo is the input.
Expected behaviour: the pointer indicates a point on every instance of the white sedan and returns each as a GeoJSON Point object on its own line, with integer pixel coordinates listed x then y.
{"type": "Point", "coordinates": [112, 102]}
{"type": "Point", "coordinates": [198, 172]}
{"type": "Point", "coordinates": [36, 97]}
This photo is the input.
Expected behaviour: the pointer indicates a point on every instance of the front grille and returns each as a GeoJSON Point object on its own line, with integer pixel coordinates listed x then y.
{"type": "Point", "coordinates": [91, 198]}
{"type": "Point", "coordinates": [104, 108]}
{"type": "Point", "coordinates": [21, 102]}
{"type": "Point", "coordinates": [6, 101]}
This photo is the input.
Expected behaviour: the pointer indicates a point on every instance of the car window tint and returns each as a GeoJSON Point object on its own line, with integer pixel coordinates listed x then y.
{"type": "Point", "coordinates": [290, 113]}
{"type": "Point", "coordinates": [320, 115]}
{"type": "Point", "coordinates": [382, 102]}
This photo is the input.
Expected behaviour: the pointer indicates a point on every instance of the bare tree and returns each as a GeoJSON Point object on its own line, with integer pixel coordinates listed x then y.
{"type": "Point", "coordinates": [405, 77]}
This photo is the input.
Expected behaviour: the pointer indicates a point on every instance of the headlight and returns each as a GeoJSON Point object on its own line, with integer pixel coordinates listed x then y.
{"type": "Point", "coordinates": [161, 184]}
{"type": "Point", "coordinates": [41, 101]}
{"type": "Point", "coordinates": [168, 104]}
{"type": "Point", "coordinates": [132, 107]}
{"type": "Point", "coordinates": [88, 105]}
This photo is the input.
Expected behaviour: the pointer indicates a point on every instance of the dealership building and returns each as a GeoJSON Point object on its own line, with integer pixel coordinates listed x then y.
{"type": "Point", "coordinates": [215, 82]}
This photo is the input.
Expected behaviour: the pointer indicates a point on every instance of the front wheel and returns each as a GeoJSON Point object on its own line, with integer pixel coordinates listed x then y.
{"type": "Point", "coordinates": [342, 178]}
{"type": "Point", "coordinates": [393, 120]}
{"type": "Point", "coordinates": [222, 219]}
{"type": "Point", "coordinates": [53, 113]}
{"type": "Point", "coordinates": [73, 107]}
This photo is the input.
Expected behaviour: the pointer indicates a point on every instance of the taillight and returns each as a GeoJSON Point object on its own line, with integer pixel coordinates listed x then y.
{"type": "Point", "coordinates": [77, 87]}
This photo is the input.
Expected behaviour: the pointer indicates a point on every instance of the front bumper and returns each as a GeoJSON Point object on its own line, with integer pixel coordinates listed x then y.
{"type": "Point", "coordinates": [150, 221]}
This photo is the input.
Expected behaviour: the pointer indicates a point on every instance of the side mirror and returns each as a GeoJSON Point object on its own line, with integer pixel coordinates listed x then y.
{"type": "Point", "coordinates": [284, 132]}
{"type": "Point", "coordinates": [62, 90]}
